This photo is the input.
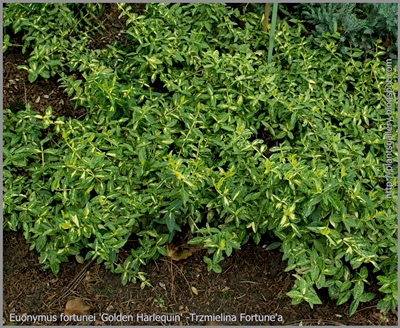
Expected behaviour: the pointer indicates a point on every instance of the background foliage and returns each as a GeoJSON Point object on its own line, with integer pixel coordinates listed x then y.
{"type": "Point", "coordinates": [360, 25]}
{"type": "Point", "coordinates": [195, 131]}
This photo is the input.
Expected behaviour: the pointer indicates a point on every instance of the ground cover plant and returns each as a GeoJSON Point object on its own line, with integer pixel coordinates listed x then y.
{"type": "Point", "coordinates": [196, 132]}
{"type": "Point", "coordinates": [361, 25]}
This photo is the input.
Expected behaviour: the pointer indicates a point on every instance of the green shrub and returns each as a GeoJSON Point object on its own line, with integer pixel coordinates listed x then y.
{"type": "Point", "coordinates": [360, 25]}
{"type": "Point", "coordinates": [48, 29]}
{"type": "Point", "coordinates": [196, 131]}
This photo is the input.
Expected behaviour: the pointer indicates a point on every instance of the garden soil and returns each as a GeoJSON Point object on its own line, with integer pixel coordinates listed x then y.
{"type": "Point", "coordinates": [252, 282]}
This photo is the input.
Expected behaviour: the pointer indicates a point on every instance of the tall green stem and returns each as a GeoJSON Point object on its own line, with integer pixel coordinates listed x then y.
{"type": "Point", "coordinates": [266, 16]}
{"type": "Point", "coordinates": [272, 34]}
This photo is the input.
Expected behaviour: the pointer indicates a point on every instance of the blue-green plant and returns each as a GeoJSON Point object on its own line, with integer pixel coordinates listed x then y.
{"type": "Point", "coordinates": [360, 25]}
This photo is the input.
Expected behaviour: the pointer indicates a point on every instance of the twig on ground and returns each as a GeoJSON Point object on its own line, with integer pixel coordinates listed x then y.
{"type": "Point", "coordinates": [170, 268]}
{"type": "Point", "coordinates": [74, 282]}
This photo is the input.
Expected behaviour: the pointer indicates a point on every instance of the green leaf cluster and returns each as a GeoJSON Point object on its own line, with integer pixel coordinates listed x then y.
{"type": "Point", "coordinates": [189, 128]}
{"type": "Point", "coordinates": [48, 29]}
{"type": "Point", "coordinates": [216, 242]}
{"type": "Point", "coordinates": [361, 24]}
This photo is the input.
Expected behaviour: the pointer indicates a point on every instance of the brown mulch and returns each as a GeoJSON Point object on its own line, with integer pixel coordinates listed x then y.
{"type": "Point", "coordinates": [253, 281]}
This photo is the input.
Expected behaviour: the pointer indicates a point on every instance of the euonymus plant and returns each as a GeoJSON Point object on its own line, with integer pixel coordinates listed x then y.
{"type": "Point", "coordinates": [189, 128]}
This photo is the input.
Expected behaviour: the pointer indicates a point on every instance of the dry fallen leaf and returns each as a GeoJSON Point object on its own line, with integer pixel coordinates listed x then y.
{"type": "Point", "coordinates": [76, 306]}
{"type": "Point", "coordinates": [176, 253]}
{"type": "Point", "coordinates": [194, 290]}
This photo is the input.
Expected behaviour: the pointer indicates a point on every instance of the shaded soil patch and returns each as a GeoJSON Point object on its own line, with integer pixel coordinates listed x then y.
{"type": "Point", "coordinates": [253, 282]}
